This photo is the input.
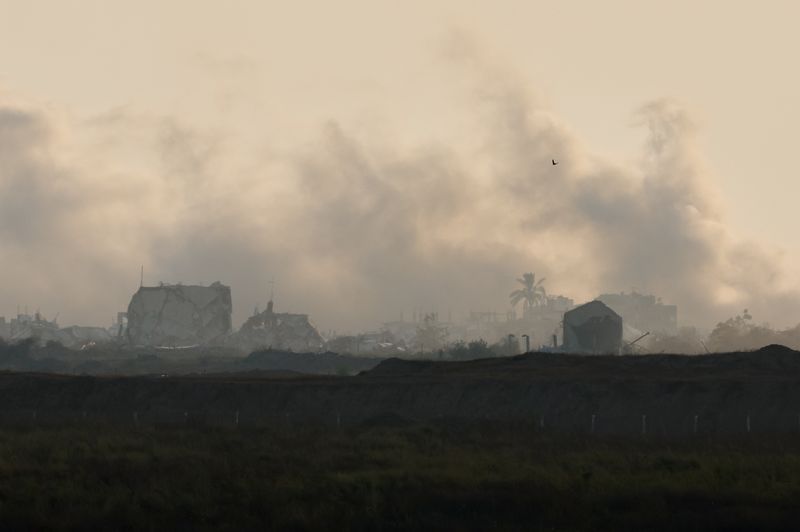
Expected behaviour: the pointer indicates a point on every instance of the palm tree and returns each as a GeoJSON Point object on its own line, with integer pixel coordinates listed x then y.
{"type": "Point", "coordinates": [532, 293]}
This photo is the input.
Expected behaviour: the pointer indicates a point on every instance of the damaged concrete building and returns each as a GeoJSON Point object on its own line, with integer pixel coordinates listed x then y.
{"type": "Point", "coordinates": [78, 337]}
{"type": "Point", "coordinates": [179, 315]}
{"type": "Point", "coordinates": [277, 330]}
{"type": "Point", "coordinates": [43, 330]}
{"type": "Point", "coordinates": [592, 328]}
{"type": "Point", "coordinates": [27, 326]}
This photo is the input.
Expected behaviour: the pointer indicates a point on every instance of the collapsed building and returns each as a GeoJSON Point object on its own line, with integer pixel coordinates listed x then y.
{"type": "Point", "coordinates": [41, 329]}
{"type": "Point", "coordinates": [179, 315]}
{"type": "Point", "coordinates": [592, 328]}
{"type": "Point", "coordinates": [30, 326]}
{"type": "Point", "coordinates": [277, 330]}
{"type": "Point", "coordinates": [79, 337]}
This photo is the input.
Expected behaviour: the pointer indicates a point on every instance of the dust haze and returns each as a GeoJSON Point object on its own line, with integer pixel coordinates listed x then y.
{"type": "Point", "coordinates": [355, 229]}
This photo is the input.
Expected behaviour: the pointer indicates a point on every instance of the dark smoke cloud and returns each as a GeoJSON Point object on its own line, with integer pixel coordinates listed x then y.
{"type": "Point", "coordinates": [353, 230]}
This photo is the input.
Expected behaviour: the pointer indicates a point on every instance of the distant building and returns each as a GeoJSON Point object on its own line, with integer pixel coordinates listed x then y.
{"type": "Point", "coordinates": [552, 305]}
{"type": "Point", "coordinates": [277, 330]}
{"type": "Point", "coordinates": [542, 322]}
{"type": "Point", "coordinates": [179, 315]}
{"type": "Point", "coordinates": [77, 337]}
{"type": "Point", "coordinates": [35, 326]}
{"type": "Point", "coordinates": [644, 312]}
{"type": "Point", "coordinates": [401, 331]}
{"type": "Point", "coordinates": [43, 330]}
{"type": "Point", "coordinates": [592, 328]}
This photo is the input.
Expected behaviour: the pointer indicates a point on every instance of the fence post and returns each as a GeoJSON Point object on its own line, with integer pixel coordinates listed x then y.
{"type": "Point", "coordinates": [748, 423]}
{"type": "Point", "coordinates": [236, 419]}
{"type": "Point", "coordinates": [136, 418]}
{"type": "Point", "coordinates": [695, 424]}
{"type": "Point", "coordinates": [644, 424]}
{"type": "Point", "coordinates": [594, 417]}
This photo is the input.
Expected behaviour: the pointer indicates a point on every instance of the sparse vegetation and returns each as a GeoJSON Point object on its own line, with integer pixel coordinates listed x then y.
{"type": "Point", "coordinates": [432, 477]}
{"type": "Point", "coordinates": [740, 332]}
{"type": "Point", "coordinates": [470, 350]}
{"type": "Point", "coordinates": [431, 336]}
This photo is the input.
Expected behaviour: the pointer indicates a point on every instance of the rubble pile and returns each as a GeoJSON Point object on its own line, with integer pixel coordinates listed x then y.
{"type": "Point", "coordinates": [35, 326]}
{"type": "Point", "coordinates": [77, 337]}
{"type": "Point", "coordinates": [179, 315]}
{"type": "Point", "coordinates": [275, 330]}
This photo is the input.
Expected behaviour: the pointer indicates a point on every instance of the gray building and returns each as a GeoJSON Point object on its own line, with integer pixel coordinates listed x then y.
{"type": "Point", "coordinates": [179, 315]}
{"type": "Point", "coordinates": [278, 330]}
{"type": "Point", "coordinates": [592, 328]}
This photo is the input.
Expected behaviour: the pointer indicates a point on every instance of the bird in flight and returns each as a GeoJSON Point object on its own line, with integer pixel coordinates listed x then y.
{"type": "Point", "coordinates": [554, 162]}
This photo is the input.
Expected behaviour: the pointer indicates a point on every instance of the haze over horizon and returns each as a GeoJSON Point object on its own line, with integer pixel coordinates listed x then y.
{"type": "Point", "coordinates": [395, 157]}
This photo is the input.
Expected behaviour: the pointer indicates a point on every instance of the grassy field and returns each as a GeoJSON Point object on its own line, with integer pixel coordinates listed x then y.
{"type": "Point", "coordinates": [453, 477]}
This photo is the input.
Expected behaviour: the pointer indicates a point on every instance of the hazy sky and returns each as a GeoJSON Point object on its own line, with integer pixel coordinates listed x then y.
{"type": "Point", "coordinates": [379, 156]}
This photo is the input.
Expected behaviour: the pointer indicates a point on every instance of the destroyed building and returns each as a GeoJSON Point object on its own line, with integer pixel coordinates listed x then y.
{"type": "Point", "coordinates": [592, 328]}
{"type": "Point", "coordinates": [43, 331]}
{"type": "Point", "coordinates": [643, 312]}
{"type": "Point", "coordinates": [77, 337]}
{"type": "Point", "coordinates": [179, 315]}
{"type": "Point", "coordinates": [277, 330]}
{"type": "Point", "coordinates": [30, 326]}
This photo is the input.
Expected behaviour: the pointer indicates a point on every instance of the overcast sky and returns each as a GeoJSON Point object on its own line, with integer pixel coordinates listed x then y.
{"type": "Point", "coordinates": [376, 156]}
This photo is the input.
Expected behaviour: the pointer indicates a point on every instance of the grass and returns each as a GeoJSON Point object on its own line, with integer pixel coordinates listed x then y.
{"type": "Point", "coordinates": [444, 477]}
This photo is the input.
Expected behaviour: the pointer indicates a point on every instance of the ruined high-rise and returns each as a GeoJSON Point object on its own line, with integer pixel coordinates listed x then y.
{"type": "Point", "coordinates": [179, 315]}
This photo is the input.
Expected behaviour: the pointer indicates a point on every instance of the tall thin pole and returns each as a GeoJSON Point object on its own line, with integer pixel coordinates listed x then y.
{"type": "Point", "coordinates": [141, 277]}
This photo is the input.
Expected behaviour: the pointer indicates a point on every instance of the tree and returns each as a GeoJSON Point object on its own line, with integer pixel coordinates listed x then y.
{"type": "Point", "coordinates": [470, 351]}
{"type": "Point", "coordinates": [740, 333]}
{"type": "Point", "coordinates": [430, 335]}
{"type": "Point", "coordinates": [532, 294]}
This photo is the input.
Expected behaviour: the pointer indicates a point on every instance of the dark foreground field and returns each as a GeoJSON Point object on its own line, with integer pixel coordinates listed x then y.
{"type": "Point", "coordinates": [421, 477]}
{"type": "Point", "coordinates": [532, 442]}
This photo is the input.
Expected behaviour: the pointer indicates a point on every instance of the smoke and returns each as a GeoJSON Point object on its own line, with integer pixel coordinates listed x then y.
{"type": "Point", "coordinates": [355, 230]}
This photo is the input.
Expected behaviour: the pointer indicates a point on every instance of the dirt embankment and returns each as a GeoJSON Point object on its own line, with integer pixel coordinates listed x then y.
{"type": "Point", "coordinates": [118, 360]}
{"type": "Point", "coordinates": [664, 395]}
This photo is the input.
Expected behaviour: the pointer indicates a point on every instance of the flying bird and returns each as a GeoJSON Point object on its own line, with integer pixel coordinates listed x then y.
{"type": "Point", "coordinates": [554, 162]}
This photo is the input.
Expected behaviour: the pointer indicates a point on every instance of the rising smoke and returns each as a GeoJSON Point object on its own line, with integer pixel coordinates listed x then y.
{"type": "Point", "coordinates": [355, 230]}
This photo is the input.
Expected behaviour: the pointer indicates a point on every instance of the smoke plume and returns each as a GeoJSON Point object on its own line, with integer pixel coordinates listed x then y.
{"type": "Point", "coordinates": [355, 230]}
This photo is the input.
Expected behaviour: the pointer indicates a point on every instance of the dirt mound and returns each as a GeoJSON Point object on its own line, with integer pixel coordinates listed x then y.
{"type": "Point", "coordinates": [400, 366]}
{"type": "Point", "coordinates": [669, 395]}
{"type": "Point", "coordinates": [772, 359]}
{"type": "Point", "coordinates": [318, 363]}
